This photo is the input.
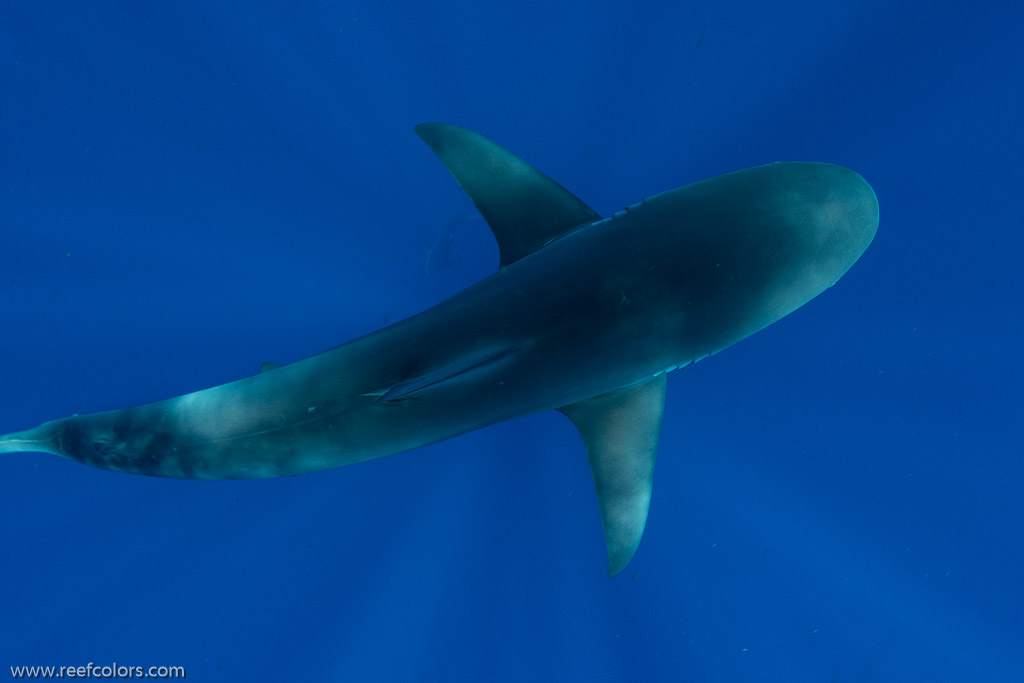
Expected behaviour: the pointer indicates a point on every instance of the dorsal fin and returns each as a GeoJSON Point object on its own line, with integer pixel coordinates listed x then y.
{"type": "Point", "coordinates": [524, 207]}
{"type": "Point", "coordinates": [267, 366]}
{"type": "Point", "coordinates": [620, 430]}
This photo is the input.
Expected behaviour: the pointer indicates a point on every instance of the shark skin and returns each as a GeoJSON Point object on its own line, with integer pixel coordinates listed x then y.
{"type": "Point", "coordinates": [585, 315]}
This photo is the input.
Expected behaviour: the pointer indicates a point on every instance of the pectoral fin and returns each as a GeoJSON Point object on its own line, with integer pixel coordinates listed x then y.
{"type": "Point", "coordinates": [524, 207]}
{"type": "Point", "coordinates": [463, 368]}
{"type": "Point", "coordinates": [620, 430]}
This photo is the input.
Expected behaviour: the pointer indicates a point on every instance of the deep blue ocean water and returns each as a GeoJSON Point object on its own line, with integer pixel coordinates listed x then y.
{"type": "Point", "coordinates": [189, 189]}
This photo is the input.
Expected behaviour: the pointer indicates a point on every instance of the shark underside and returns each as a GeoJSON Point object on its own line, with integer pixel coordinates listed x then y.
{"type": "Point", "coordinates": [585, 315]}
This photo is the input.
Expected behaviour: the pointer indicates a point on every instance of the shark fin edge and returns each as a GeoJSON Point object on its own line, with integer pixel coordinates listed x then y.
{"type": "Point", "coordinates": [524, 208]}
{"type": "Point", "coordinates": [620, 431]}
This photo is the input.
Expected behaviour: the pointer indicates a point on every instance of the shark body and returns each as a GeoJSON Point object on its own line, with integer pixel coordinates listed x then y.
{"type": "Point", "coordinates": [585, 315]}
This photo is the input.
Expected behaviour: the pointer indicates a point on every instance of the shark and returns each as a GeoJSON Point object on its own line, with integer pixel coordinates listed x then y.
{"type": "Point", "coordinates": [586, 315]}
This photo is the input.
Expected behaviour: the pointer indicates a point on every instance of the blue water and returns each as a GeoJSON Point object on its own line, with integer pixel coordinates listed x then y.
{"type": "Point", "coordinates": [189, 189]}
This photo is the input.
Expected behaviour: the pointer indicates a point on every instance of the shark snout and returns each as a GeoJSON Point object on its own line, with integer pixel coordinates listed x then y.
{"type": "Point", "coordinates": [824, 217]}
{"type": "Point", "coordinates": [832, 213]}
{"type": "Point", "coordinates": [850, 215]}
